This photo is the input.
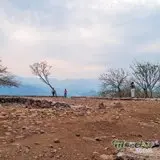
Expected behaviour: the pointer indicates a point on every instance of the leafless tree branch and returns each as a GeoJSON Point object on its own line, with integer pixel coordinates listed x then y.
{"type": "Point", "coordinates": [114, 79]}
{"type": "Point", "coordinates": [147, 76]}
{"type": "Point", "coordinates": [6, 78]}
{"type": "Point", "coordinates": [42, 70]}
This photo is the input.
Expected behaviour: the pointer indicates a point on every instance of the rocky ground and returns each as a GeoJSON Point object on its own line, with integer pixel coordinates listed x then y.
{"type": "Point", "coordinates": [83, 131]}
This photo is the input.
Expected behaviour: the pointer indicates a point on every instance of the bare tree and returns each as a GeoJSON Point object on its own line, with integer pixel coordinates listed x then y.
{"type": "Point", "coordinates": [42, 70]}
{"type": "Point", "coordinates": [147, 76]}
{"type": "Point", "coordinates": [114, 80]}
{"type": "Point", "coordinates": [6, 78]}
{"type": "Point", "coordinates": [126, 91]}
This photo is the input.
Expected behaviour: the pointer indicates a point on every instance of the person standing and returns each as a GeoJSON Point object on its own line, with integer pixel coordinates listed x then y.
{"type": "Point", "coordinates": [65, 93]}
{"type": "Point", "coordinates": [132, 90]}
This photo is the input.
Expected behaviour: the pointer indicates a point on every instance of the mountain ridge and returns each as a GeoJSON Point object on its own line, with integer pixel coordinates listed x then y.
{"type": "Point", "coordinates": [34, 86]}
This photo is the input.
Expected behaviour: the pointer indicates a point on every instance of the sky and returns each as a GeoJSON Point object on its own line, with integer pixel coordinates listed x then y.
{"type": "Point", "coordinates": [79, 38]}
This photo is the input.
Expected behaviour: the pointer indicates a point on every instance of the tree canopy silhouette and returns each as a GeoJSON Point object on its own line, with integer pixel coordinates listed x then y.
{"type": "Point", "coordinates": [147, 76]}
{"type": "Point", "coordinates": [6, 78]}
{"type": "Point", "coordinates": [114, 80]}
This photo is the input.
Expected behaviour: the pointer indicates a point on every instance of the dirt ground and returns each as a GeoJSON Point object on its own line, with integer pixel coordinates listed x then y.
{"type": "Point", "coordinates": [83, 132]}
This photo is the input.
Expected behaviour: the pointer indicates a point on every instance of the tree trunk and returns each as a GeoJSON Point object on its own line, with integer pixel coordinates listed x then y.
{"type": "Point", "coordinates": [145, 93]}
{"type": "Point", "coordinates": [53, 90]}
{"type": "Point", "coordinates": [151, 93]}
{"type": "Point", "coordinates": [119, 92]}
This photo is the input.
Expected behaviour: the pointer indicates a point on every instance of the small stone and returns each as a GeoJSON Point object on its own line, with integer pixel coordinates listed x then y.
{"type": "Point", "coordinates": [157, 122]}
{"type": "Point", "coordinates": [5, 126]}
{"type": "Point", "coordinates": [9, 129]}
{"type": "Point", "coordinates": [3, 113]}
{"type": "Point", "coordinates": [7, 133]}
{"type": "Point", "coordinates": [98, 139]}
{"type": "Point", "coordinates": [95, 155]}
{"type": "Point", "coordinates": [80, 114]}
{"type": "Point", "coordinates": [117, 117]}
{"type": "Point", "coordinates": [11, 140]}
{"type": "Point", "coordinates": [139, 135]}
{"type": "Point", "coordinates": [40, 155]}
{"type": "Point", "coordinates": [117, 105]}
{"type": "Point", "coordinates": [50, 146]}
{"type": "Point", "coordinates": [24, 128]}
{"type": "Point", "coordinates": [78, 135]}
{"type": "Point", "coordinates": [18, 145]}
{"type": "Point", "coordinates": [28, 147]}
{"type": "Point", "coordinates": [27, 150]}
{"type": "Point", "coordinates": [36, 143]}
{"type": "Point", "coordinates": [102, 106]}
{"type": "Point", "coordinates": [52, 154]}
{"type": "Point", "coordinates": [58, 156]}
{"type": "Point", "coordinates": [54, 151]}
{"type": "Point", "coordinates": [106, 157]}
{"type": "Point", "coordinates": [56, 141]}
{"type": "Point", "coordinates": [19, 137]}
{"type": "Point", "coordinates": [89, 139]}
{"type": "Point", "coordinates": [15, 132]}
{"type": "Point", "coordinates": [42, 132]}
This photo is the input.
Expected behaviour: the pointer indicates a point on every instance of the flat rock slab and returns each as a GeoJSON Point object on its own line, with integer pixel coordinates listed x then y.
{"type": "Point", "coordinates": [139, 154]}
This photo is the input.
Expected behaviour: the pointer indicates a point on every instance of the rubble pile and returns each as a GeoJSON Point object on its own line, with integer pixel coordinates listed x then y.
{"type": "Point", "coordinates": [32, 103]}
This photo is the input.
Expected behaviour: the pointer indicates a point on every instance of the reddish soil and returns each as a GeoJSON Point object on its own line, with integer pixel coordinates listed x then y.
{"type": "Point", "coordinates": [82, 133]}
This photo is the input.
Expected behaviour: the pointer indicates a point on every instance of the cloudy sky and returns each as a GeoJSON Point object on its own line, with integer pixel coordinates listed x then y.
{"type": "Point", "coordinates": [79, 38]}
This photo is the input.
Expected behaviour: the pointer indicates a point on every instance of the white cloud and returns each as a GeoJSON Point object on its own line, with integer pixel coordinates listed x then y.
{"type": "Point", "coordinates": [25, 35]}
{"type": "Point", "coordinates": [77, 36]}
{"type": "Point", "coordinates": [151, 48]}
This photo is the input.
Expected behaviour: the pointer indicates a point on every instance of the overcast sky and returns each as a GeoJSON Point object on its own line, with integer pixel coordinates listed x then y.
{"type": "Point", "coordinates": [79, 38]}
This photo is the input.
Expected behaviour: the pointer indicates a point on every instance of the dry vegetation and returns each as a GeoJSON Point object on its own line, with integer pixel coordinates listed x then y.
{"type": "Point", "coordinates": [83, 132]}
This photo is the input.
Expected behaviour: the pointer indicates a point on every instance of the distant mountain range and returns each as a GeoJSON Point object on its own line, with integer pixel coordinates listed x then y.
{"type": "Point", "coordinates": [34, 86]}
